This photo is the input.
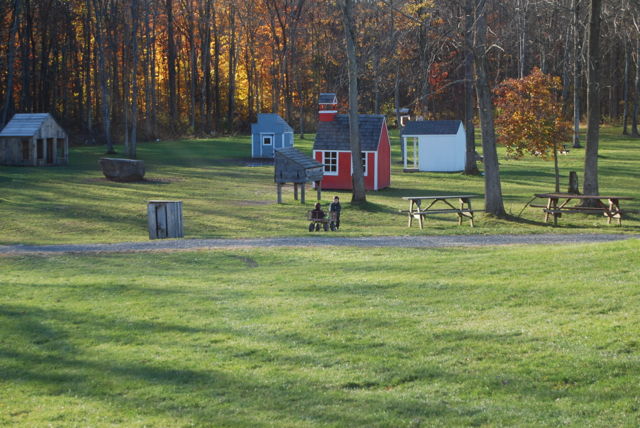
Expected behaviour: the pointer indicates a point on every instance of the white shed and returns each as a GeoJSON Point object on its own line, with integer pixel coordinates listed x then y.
{"type": "Point", "coordinates": [438, 145]}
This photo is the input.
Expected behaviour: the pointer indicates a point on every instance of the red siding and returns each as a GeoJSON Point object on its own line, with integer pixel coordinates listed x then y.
{"type": "Point", "coordinates": [384, 159]}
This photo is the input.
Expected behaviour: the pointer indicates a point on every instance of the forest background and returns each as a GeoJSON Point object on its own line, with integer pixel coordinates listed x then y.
{"type": "Point", "coordinates": [132, 70]}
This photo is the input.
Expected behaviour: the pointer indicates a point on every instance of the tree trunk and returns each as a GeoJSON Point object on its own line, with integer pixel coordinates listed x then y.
{"type": "Point", "coordinates": [590, 180]}
{"type": "Point", "coordinates": [171, 64]}
{"type": "Point", "coordinates": [625, 114]}
{"type": "Point", "coordinates": [576, 75]}
{"type": "Point", "coordinates": [493, 191]}
{"type": "Point", "coordinates": [205, 56]}
{"type": "Point", "coordinates": [192, 67]}
{"type": "Point", "coordinates": [233, 60]}
{"type": "Point", "coordinates": [358, 195]}
{"type": "Point", "coordinates": [216, 72]}
{"type": "Point", "coordinates": [134, 78]}
{"type": "Point", "coordinates": [636, 91]}
{"type": "Point", "coordinates": [102, 71]}
{"type": "Point", "coordinates": [9, 88]}
{"type": "Point", "coordinates": [471, 165]}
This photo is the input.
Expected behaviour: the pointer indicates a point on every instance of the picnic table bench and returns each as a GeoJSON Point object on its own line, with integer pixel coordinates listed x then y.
{"type": "Point", "coordinates": [610, 211]}
{"type": "Point", "coordinates": [415, 210]}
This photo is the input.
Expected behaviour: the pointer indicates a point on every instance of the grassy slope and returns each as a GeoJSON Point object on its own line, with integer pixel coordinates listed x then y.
{"type": "Point", "coordinates": [225, 199]}
{"type": "Point", "coordinates": [519, 336]}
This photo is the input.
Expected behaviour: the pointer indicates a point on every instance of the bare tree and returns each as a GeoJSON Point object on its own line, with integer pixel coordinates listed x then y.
{"type": "Point", "coordinates": [471, 165]}
{"type": "Point", "coordinates": [492, 187]}
{"type": "Point", "coordinates": [100, 12]}
{"type": "Point", "coordinates": [359, 194]}
{"type": "Point", "coordinates": [590, 181]}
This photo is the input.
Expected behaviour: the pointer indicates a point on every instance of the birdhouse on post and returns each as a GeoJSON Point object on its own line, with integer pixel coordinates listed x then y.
{"type": "Point", "coordinates": [292, 166]}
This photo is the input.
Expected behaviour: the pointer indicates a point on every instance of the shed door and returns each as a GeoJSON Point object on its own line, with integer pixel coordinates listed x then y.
{"type": "Point", "coordinates": [50, 150]}
{"type": "Point", "coordinates": [267, 145]}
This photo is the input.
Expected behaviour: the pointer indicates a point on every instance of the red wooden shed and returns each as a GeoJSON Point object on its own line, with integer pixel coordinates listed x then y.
{"type": "Point", "coordinates": [332, 148]}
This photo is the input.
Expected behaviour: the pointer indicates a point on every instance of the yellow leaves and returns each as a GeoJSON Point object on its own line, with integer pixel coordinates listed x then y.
{"type": "Point", "coordinates": [528, 115]}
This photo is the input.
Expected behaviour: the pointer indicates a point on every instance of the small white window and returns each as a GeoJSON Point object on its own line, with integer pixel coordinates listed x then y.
{"type": "Point", "coordinates": [267, 140]}
{"type": "Point", "coordinates": [364, 164]}
{"type": "Point", "coordinates": [330, 161]}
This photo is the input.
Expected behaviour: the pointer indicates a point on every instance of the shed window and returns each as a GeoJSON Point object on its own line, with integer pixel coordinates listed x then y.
{"type": "Point", "coordinates": [330, 161]}
{"type": "Point", "coordinates": [40, 145]}
{"type": "Point", "coordinates": [364, 164]}
{"type": "Point", "coordinates": [267, 140]}
{"type": "Point", "coordinates": [60, 148]}
{"type": "Point", "coordinates": [26, 152]}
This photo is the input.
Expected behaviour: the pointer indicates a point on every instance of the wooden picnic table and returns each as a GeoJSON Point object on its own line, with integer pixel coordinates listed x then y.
{"type": "Point", "coordinates": [612, 210]}
{"type": "Point", "coordinates": [416, 211]}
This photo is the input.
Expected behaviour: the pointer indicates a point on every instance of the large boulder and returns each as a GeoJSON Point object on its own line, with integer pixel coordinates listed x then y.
{"type": "Point", "coordinates": [122, 170]}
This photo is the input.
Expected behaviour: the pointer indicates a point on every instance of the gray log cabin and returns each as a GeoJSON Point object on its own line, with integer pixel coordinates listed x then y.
{"type": "Point", "coordinates": [33, 139]}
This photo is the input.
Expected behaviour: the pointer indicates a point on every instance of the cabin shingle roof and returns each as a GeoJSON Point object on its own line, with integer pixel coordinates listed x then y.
{"type": "Point", "coordinates": [24, 125]}
{"type": "Point", "coordinates": [298, 157]}
{"type": "Point", "coordinates": [335, 135]}
{"type": "Point", "coordinates": [431, 127]}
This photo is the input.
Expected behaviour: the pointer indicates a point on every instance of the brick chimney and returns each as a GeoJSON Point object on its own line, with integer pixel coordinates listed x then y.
{"type": "Point", "coordinates": [328, 107]}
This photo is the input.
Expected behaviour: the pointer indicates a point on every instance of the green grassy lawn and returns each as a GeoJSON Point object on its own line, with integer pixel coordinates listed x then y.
{"type": "Point", "coordinates": [512, 336]}
{"type": "Point", "coordinates": [223, 198]}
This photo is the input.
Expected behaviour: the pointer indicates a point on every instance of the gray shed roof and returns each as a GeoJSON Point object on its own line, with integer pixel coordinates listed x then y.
{"type": "Point", "coordinates": [335, 135]}
{"type": "Point", "coordinates": [328, 99]}
{"type": "Point", "coordinates": [24, 124]}
{"type": "Point", "coordinates": [431, 127]}
{"type": "Point", "coordinates": [298, 157]}
{"type": "Point", "coordinates": [281, 121]}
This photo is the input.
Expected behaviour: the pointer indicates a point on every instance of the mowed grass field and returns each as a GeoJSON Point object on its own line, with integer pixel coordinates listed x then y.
{"type": "Point", "coordinates": [525, 336]}
{"type": "Point", "coordinates": [224, 198]}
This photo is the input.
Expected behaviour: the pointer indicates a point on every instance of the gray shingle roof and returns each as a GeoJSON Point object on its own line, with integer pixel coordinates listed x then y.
{"type": "Point", "coordinates": [24, 125]}
{"type": "Point", "coordinates": [431, 127]}
{"type": "Point", "coordinates": [298, 157]}
{"type": "Point", "coordinates": [281, 121]}
{"type": "Point", "coordinates": [328, 99]}
{"type": "Point", "coordinates": [335, 135]}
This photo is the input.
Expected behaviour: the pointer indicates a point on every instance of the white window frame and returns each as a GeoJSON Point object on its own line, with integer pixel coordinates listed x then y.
{"type": "Point", "coordinates": [329, 165]}
{"type": "Point", "coordinates": [271, 137]}
{"type": "Point", "coordinates": [364, 163]}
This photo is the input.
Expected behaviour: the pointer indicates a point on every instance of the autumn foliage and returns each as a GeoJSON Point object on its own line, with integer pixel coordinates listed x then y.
{"type": "Point", "coordinates": [529, 116]}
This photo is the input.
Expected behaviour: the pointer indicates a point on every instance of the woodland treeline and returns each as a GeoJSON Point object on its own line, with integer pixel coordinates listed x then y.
{"type": "Point", "coordinates": [134, 70]}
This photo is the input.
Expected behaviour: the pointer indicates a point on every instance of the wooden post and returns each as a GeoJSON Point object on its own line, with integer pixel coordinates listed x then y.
{"type": "Point", "coordinates": [404, 152]}
{"type": "Point", "coordinates": [573, 183]}
{"type": "Point", "coordinates": [319, 186]}
{"type": "Point", "coordinates": [279, 193]}
{"type": "Point", "coordinates": [302, 193]}
{"type": "Point", "coordinates": [295, 191]}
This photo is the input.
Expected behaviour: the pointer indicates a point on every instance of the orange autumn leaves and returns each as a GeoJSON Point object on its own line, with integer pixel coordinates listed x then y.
{"type": "Point", "coordinates": [529, 116]}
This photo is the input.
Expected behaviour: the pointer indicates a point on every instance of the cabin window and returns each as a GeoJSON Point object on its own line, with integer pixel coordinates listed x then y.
{"type": "Point", "coordinates": [40, 146]}
{"type": "Point", "coordinates": [60, 148]}
{"type": "Point", "coordinates": [26, 152]}
{"type": "Point", "coordinates": [267, 140]}
{"type": "Point", "coordinates": [364, 164]}
{"type": "Point", "coordinates": [330, 161]}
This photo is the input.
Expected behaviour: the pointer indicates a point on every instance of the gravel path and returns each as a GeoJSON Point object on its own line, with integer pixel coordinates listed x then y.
{"type": "Point", "coordinates": [375, 241]}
